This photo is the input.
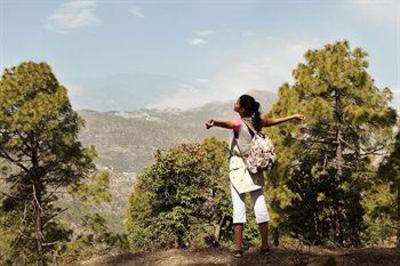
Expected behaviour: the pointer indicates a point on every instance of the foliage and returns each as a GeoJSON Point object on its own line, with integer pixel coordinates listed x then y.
{"type": "Point", "coordinates": [386, 211]}
{"type": "Point", "coordinates": [325, 166]}
{"type": "Point", "coordinates": [181, 196]}
{"type": "Point", "coordinates": [91, 233]}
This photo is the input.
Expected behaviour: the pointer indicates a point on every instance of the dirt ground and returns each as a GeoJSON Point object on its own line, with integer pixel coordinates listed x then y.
{"type": "Point", "coordinates": [279, 256]}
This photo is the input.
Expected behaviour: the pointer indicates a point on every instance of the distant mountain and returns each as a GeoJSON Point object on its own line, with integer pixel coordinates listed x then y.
{"type": "Point", "coordinates": [126, 141]}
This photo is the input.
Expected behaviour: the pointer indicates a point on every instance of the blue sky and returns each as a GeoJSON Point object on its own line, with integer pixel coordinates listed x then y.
{"type": "Point", "coordinates": [118, 54]}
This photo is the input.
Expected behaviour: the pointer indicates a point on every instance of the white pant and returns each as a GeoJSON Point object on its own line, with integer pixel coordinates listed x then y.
{"type": "Point", "coordinates": [258, 202]}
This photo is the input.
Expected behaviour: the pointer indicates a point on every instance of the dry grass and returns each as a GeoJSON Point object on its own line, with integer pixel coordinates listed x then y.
{"type": "Point", "coordinates": [313, 256]}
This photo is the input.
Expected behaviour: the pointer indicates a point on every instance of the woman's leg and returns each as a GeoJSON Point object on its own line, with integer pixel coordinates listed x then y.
{"type": "Point", "coordinates": [262, 215]}
{"type": "Point", "coordinates": [239, 216]}
{"type": "Point", "coordinates": [264, 234]}
{"type": "Point", "coordinates": [238, 235]}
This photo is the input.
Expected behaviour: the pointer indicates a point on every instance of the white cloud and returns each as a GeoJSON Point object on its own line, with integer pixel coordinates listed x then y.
{"type": "Point", "coordinates": [202, 80]}
{"type": "Point", "coordinates": [73, 15]}
{"type": "Point", "coordinates": [136, 12]}
{"type": "Point", "coordinates": [187, 96]}
{"type": "Point", "coordinates": [196, 41]}
{"type": "Point", "coordinates": [205, 32]}
{"type": "Point", "coordinates": [264, 66]}
{"type": "Point", "coordinates": [200, 37]}
{"type": "Point", "coordinates": [378, 10]}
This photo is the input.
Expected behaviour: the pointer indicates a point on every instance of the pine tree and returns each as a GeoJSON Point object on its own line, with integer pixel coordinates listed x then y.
{"type": "Point", "coordinates": [39, 138]}
{"type": "Point", "coordinates": [326, 165]}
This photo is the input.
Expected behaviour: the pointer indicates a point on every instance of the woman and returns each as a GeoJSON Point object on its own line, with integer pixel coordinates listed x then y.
{"type": "Point", "coordinates": [248, 109]}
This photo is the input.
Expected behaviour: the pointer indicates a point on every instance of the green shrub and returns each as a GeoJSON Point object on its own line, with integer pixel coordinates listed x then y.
{"type": "Point", "coordinates": [182, 199]}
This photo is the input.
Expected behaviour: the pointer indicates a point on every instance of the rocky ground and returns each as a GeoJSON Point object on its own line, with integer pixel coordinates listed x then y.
{"type": "Point", "coordinates": [279, 256]}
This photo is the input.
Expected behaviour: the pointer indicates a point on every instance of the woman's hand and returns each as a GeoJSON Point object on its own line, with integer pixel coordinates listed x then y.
{"type": "Point", "coordinates": [219, 123]}
{"type": "Point", "coordinates": [210, 123]}
{"type": "Point", "coordinates": [299, 117]}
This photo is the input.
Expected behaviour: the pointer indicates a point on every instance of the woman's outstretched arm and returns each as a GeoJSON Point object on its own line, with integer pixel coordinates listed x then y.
{"type": "Point", "coordinates": [219, 123]}
{"type": "Point", "coordinates": [275, 121]}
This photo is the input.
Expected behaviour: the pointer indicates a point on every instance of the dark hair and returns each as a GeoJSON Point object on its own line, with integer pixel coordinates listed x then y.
{"type": "Point", "coordinates": [251, 108]}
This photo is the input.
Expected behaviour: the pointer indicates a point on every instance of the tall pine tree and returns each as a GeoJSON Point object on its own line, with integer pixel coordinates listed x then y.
{"type": "Point", "coordinates": [326, 165]}
{"type": "Point", "coordinates": [39, 138]}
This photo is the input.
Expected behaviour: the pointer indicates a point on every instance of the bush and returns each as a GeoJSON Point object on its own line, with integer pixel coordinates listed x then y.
{"type": "Point", "coordinates": [182, 199]}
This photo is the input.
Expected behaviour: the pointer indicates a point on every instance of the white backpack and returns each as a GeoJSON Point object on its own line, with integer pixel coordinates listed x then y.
{"type": "Point", "coordinates": [261, 156]}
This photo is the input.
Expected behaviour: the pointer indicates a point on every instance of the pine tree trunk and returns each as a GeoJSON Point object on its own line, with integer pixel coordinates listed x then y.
{"type": "Point", "coordinates": [38, 226]}
{"type": "Point", "coordinates": [339, 163]}
{"type": "Point", "coordinates": [339, 148]}
{"type": "Point", "coordinates": [37, 200]}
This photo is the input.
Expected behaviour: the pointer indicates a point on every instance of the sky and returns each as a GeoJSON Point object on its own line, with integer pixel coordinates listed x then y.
{"type": "Point", "coordinates": [125, 55]}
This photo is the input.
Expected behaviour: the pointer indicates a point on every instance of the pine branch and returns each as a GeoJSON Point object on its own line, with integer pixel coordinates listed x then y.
{"type": "Point", "coordinates": [10, 196]}
{"type": "Point", "coordinates": [24, 214]}
{"type": "Point", "coordinates": [4, 154]}
{"type": "Point", "coordinates": [12, 177]}
{"type": "Point", "coordinates": [374, 151]}
{"type": "Point", "coordinates": [50, 243]}
{"type": "Point", "coordinates": [23, 140]}
{"type": "Point", "coordinates": [51, 193]}
{"type": "Point", "coordinates": [36, 199]}
{"type": "Point", "coordinates": [53, 216]}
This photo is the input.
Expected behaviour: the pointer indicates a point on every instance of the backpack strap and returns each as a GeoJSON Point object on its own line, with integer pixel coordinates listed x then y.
{"type": "Point", "coordinates": [240, 151]}
{"type": "Point", "coordinates": [249, 125]}
{"type": "Point", "coordinates": [237, 143]}
{"type": "Point", "coordinates": [243, 158]}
